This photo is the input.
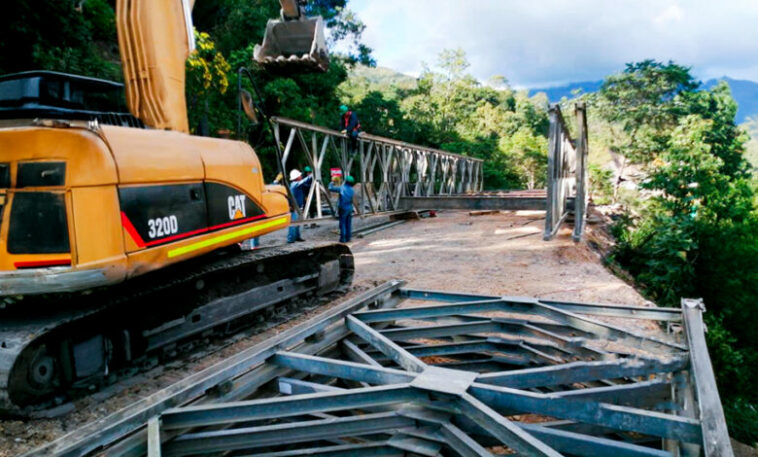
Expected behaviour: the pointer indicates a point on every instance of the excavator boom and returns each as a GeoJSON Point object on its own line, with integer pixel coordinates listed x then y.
{"type": "Point", "coordinates": [155, 40]}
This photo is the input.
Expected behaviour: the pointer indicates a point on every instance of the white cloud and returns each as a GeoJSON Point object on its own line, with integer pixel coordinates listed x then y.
{"type": "Point", "coordinates": [671, 15]}
{"type": "Point", "coordinates": [544, 42]}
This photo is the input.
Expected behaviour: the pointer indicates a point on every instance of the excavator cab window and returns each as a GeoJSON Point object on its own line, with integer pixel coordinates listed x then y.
{"type": "Point", "coordinates": [5, 182]}
{"type": "Point", "coordinates": [40, 174]}
{"type": "Point", "coordinates": [5, 176]}
{"type": "Point", "coordinates": [38, 224]}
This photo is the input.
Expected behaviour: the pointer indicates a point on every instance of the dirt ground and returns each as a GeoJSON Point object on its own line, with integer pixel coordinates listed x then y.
{"type": "Point", "coordinates": [501, 254]}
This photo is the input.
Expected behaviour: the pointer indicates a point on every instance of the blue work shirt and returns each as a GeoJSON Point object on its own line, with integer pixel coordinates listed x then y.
{"type": "Point", "coordinates": [349, 122]}
{"type": "Point", "coordinates": [298, 189]}
{"type": "Point", "coordinates": [346, 196]}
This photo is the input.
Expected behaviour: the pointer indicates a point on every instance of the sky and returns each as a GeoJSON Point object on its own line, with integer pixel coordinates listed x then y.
{"type": "Point", "coordinates": [543, 43]}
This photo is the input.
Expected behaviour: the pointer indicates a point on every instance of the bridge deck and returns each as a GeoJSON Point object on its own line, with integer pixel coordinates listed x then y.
{"type": "Point", "coordinates": [495, 200]}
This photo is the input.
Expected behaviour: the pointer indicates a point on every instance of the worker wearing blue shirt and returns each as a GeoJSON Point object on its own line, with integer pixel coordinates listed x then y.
{"type": "Point", "coordinates": [350, 126]}
{"type": "Point", "coordinates": [297, 186]}
{"type": "Point", "coordinates": [345, 207]}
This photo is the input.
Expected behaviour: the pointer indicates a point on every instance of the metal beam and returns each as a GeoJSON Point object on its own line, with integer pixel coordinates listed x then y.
{"type": "Point", "coordinates": [346, 450]}
{"type": "Point", "coordinates": [233, 390]}
{"type": "Point", "coordinates": [576, 372]}
{"type": "Point", "coordinates": [474, 202]}
{"type": "Point", "coordinates": [598, 309]}
{"type": "Point", "coordinates": [153, 438]}
{"type": "Point", "coordinates": [504, 430]}
{"type": "Point", "coordinates": [715, 434]}
{"type": "Point", "coordinates": [461, 443]}
{"type": "Point", "coordinates": [229, 413]}
{"type": "Point", "coordinates": [414, 445]}
{"type": "Point", "coordinates": [510, 401]}
{"type": "Point", "coordinates": [643, 394]}
{"type": "Point", "coordinates": [525, 306]}
{"type": "Point", "coordinates": [385, 345]}
{"type": "Point", "coordinates": [341, 369]}
{"type": "Point", "coordinates": [581, 172]}
{"type": "Point", "coordinates": [589, 446]}
{"type": "Point", "coordinates": [291, 386]}
{"type": "Point", "coordinates": [356, 354]}
{"type": "Point", "coordinates": [421, 312]}
{"type": "Point", "coordinates": [272, 435]}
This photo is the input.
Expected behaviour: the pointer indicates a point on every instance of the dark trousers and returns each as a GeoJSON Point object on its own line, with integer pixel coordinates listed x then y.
{"type": "Point", "coordinates": [352, 142]}
{"type": "Point", "coordinates": [346, 225]}
{"type": "Point", "coordinates": [294, 232]}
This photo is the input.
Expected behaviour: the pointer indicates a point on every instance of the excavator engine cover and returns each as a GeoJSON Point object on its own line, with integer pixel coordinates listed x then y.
{"type": "Point", "coordinates": [297, 44]}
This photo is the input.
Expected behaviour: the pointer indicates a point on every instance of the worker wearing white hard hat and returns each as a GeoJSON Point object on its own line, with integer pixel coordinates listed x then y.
{"type": "Point", "coordinates": [297, 186]}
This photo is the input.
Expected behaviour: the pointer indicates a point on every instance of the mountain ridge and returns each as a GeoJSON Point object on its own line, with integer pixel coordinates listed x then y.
{"type": "Point", "coordinates": [744, 91]}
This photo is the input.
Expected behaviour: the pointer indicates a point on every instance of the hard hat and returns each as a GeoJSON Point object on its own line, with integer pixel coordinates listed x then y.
{"type": "Point", "coordinates": [350, 180]}
{"type": "Point", "coordinates": [343, 109]}
{"type": "Point", "coordinates": [294, 174]}
{"type": "Point", "coordinates": [307, 169]}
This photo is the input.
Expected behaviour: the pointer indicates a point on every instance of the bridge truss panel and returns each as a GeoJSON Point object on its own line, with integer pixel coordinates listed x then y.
{"type": "Point", "coordinates": [567, 173]}
{"type": "Point", "coordinates": [385, 170]}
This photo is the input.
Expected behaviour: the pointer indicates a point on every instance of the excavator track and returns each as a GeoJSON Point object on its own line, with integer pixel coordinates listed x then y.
{"type": "Point", "coordinates": [78, 342]}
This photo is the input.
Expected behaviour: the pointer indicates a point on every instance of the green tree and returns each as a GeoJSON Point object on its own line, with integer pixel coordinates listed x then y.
{"type": "Point", "coordinates": [530, 153]}
{"type": "Point", "coordinates": [306, 97]}
{"type": "Point", "coordinates": [750, 127]}
{"type": "Point", "coordinates": [59, 35]}
{"type": "Point", "coordinates": [207, 82]}
{"type": "Point", "coordinates": [645, 100]}
{"type": "Point", "coordinates": [449, 109]}
{"type": "Point", "coordinates": [695, 232]}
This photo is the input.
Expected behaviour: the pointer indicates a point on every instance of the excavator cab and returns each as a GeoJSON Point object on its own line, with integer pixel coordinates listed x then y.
{"type": "Point", "coordinates": [295, 41]}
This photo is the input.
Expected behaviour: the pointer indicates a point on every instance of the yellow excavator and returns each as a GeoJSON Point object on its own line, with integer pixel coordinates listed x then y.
{"type": "Point", "coordinates": [118, 229]}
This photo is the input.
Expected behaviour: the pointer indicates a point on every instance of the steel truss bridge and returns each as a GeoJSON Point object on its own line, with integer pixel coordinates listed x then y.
{"type": "Point", "coordinates": [407, 372]}
{"type": "Point", "coordinates": [392, 175]}
{"type": "Point", "coordinates": [386, 170]}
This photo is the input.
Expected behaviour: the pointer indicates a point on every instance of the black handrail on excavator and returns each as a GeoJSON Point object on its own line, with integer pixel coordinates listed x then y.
{"type": "Point", "coordinates": [257, 105]}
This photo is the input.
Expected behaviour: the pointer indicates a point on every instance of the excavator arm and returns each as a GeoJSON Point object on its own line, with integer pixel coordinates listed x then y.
{"type": "Point", "coordinates": [156, 36]}
{"type": "Point", "coordinates": [291, 9]}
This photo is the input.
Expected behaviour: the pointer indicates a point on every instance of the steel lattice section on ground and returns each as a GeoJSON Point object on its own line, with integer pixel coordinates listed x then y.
{"type": "Point", "coordinates": [415, 372]}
